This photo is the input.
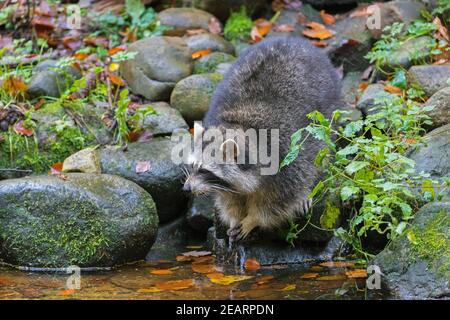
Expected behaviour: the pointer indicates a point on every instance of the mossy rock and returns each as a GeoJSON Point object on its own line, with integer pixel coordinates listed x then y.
{"type": "Point", "coordinates": [191, 96]}
{"type": "Point", "coordinates": [88, 220]}
{"type": "Point", "coordinates": [417, 265]}
{"type": "Point", "coordinates": [209, 63]}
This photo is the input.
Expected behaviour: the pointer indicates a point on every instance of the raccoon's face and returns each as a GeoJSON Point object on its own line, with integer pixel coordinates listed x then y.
{"type": "Point", "coordinates": [205, 175]}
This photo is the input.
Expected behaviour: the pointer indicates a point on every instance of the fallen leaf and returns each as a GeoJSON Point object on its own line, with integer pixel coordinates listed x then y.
{"type": "Point", "coordinates": [98, 42]}
{"type": "Point", "coordinates": [363, 86]}
{"type": "Point", "coordinates": [263, 279]}
{"type": "Point", "coordinates": [214, 26]}
{"type": "Point", "coordinates": [14, 86]}
{"type": "Point", "coordinates": [201, 53]}
{"type": "Point", "coordinates": [113, 67]}
{"type": "Point", "coordinates": [56, 168]}
{"type": "Point", "coordinates": [301, 18]}
{"type": "Point", "coordinates": [72, 43]}
{"type": "Point", "coordinates": [289, 287]}
{"type": "Point", "coordinates": [118, 81]}
{"type": "Point", "coordinates": [337, 264]}
{"type": "Point", "coordinates": [252, 264]}
{"type": "Point", "coordinates": [150, 290]}
{"type": "Point", "coordinates": [393, 89]}
{"type": "Point", "coordinates": [327, 18]}
{"type": "Point", "coordinates": [143, 166]}
{"type": "Point", "coordinates": [66, 292]}
{"type": "Point", "coordinates": [194, 247]}
{"type": "Point", "coordinates": [362, 12]}
{"type": "Point", "coordinates": [309, 275]}
{"type": "Point", "coordinates": [175, 285]}
{"type": "Point", "coordinates": [194, 32]}
{"type": "Point", "coordinates": [260, 29]}
{"type": "Point", "coordinates": [19, 128]}
{"type": "Point", "coordinates": [220, 278]}
{"type": "Point", "coordinates": [204, 268]}
{"type": "Point", "coordinates": [357, 273]}
{"type": "Point", "coordinates": [334, 277]}
{"type": "Point", "coordinates": [161, 272]}
{"type": "Point", "coordinates": [320, 44]}
{"type": "Point", "coordinates": [317, 31]}
{"type": "Point", "coordinates": [80, 56]}
{"type": "Point", "coordinates": [113, 51]}
{"type": "Point", "coordinates": [284, 28]}
{"type": "Point", "coordinates": [411, 141]}
{"type": "Point", "coordinates": [196, 253]}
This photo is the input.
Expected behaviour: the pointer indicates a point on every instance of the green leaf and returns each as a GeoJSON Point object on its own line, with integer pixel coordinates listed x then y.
{"type": "Point", "coordinates": [316, 189]}
{"type": "Point", "coordinates": [330, 216]}
{"type": "Point", "coordinates": [355, 166]}
{"type": "Point", "coordinates": [348, 150]}
{"type": "Point", "coordinates": [135, 9]}
{"type": "Point", "coordinates": [400, 228]}
{"type": "Point", "coordinates": [347, 192]}
{"type": "Point", "coordinates": [399, 79]}
{"type": "Point", "coordinates": [321, 155]}
{"type": "Point", "coordinates": [352, 128]}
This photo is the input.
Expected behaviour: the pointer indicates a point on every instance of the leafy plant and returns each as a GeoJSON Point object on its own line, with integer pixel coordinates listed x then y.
{"type": "Point", "coordinates": [238, 26]}
{"type": "Point", "coordinates": [365, 166]}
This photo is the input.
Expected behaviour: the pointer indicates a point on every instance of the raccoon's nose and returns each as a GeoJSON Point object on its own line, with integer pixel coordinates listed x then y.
{"type": "Point", "coordinates": [187, 187]}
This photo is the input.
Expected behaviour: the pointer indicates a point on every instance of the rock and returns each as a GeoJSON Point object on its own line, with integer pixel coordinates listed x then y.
{"type": "Point", "coordinates": [430, 78]}
{"type": "Point", "coordinates": [85, 161]}
{"type": "Point", "coordinates": [350, 87]}
{"type": "Point", "coordinates": [172, 239]}
{"type": "Point", "coordinates": [200, 215]}
{"type": "Point", "coordinates": [166, 121]}
{"type": "Point", "coordinates": [417, 265]}
{"type": "Point", "coordinates": [223, 68]}
{"type": "Point", "coordinates": [369, 96]}
{"type": "Point", "coordinates": [191, 96]}
{"type": "Point", "coordinates": [432, 155]}
{"type": "Point", "coordinates": [51, 80]}
{"type": "Point", "coordinates": [404, 11]}
{"type": "Point", "coordinates": [410, 52]}
{"type": "Point", "coordinates": [182, 19]}
{"type": "Point", "coordinates": [209, 41]}
{"type": "Point", "coordinates": [320, 3]}
{"type": "Point", "coordinates": [163, 180]}
{"type": "Point", "coordinates": [210, 62]}
{"type": "Point", "coordinates": [440, 115]}
{"type": "Point", "coordinates": [350, 44]}
{"type": "Point", "coordinates": [160, 63]}
{"type": "Point", "coordinates": [86, 220]}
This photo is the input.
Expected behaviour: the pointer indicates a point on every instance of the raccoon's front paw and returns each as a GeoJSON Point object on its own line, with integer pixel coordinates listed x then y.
{"type": "Point", "coordinates": [234, 234]}
{"type": "Point", "coordinates": [305, 207]}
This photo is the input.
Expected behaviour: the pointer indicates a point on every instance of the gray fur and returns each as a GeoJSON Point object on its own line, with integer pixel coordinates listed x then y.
{"type": "Point", "coordinates": [273, 85]}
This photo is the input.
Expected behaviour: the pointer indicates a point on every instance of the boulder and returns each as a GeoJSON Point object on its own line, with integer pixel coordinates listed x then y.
{"type": "Point", "coordinates": [163, 179]}
{"type": "Point", "coordinates": [191, 96]}
{"type": "Point", "coordinates": [417, 265]}
{"type": "Point", "coordinates": [200, 215]}
{"type": "Point", "coordinates": [440, 115]}
{"type": "Point", "coordinates": [182, 19]}
{"type": "Point", "coordinates": [210, 62]}
{"type": "Point", "coordinates": [85, 161]}
{"type": "Point", "coordinates": [209, 41]}
{"type": "Point", "coordinates": [159, 64]}
{"type": "Point", "coordinates": [430, 78]}
{"type": "Point", "coordinates": [223, 68]}
{"type": "Point", "coordinates": [165, 121]}
{"type": "Point", "coordinates": [432, 154]}
{"type": "Point", "coordinates": [51, 80]}
{"type": "Point", "coordinates": [88, 220]}
{"type": "Point", "coordinates": [369, 96]}
{"type": "Point", "coordinates": [350, 87]}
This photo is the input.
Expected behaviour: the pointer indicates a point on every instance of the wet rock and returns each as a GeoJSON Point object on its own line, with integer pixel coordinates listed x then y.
{"type": "Point", "coordinates": [209, 41]}
{"type": "Point", "coordinates": [182, 19]}
{"type": "Point", "coordinates": [430, 78]}
{"type": "Point", "coordinates": [432, 155]}
{"type": "Point", "coordinates": [350, 87]}
{"type": "Point", "coordinates": [86, 220]}
{"type": "Point", "coordinates": [410, 52]}
{"type": "Point", "coordinates": [7, 173]}
{"type": "Point", "coordinates": [223, 68]}
{"type": "Point", "coordinates": [440, 115]}
{"type": "Point", "coordinates": [85, 161]}
{"type": "Point", "coordinates": [163, 180]}
{"type": "Point", "coordinates": [210, 62]}
{"type": "Point", "coordinates": [369, 96]}
{"type": "Point", "coordinates": [351, 43]}
{"type": "Point", "coordinates": [191, 96]}
{"type": "Point", "coordinates": [51, 80]}
{"type": "Point", "coordinates": [160, 63]}
{"type": "Point", "coordinates": [172, 239]}
{"type": "Point", "coordinates": [166, 121]}
{"type": "Point", "coordinates": [417, 265]}
{"type": "Point", "coordinates": [200, 215]}
{"type": "Point", "coordinates": [404, 11]}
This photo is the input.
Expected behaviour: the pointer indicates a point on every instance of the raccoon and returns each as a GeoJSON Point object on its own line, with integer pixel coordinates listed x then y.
{"type": "Point", "coordinates": [272, 85]}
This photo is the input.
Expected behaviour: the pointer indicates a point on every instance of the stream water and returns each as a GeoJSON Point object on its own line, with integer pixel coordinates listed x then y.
{"type": "Point", "coordinates": [193, 278]}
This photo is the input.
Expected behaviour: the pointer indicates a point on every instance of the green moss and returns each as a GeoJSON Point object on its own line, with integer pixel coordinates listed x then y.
{"type": "Point", "coordinates": [210, 62]}
{"type": "Point", "coordinates": [238, 26]}
{"type": "Point", "coordinates": [431, 242]}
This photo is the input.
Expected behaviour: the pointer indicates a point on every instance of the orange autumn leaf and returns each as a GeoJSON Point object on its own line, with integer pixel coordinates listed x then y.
{"type": "Point", "coordinates": [334, 277]}
{"type": "Point", "coordinates": [337, 264]}
{"type": "Point", "coordinates": [80, 56]}
{"type": "Point", "coordinates": [309, 275]}
{"type": "Point", "coordinates": [327, 18]}
{"type": "Point", "coordinates": [260, 29]}
{"type": "Point", "coordinates": [263, 279]}
{"type": "Point", "coordinates": [393, 89]}
{"type": "Point", "coordinates": [320, 44]}
{"type": "Point", "coordinates": [201, 53]}
{"type": "Point", "coordinates": [289, 287]}
{"type": "Point", "coordinates": [204, 268]}
{"type": "Point", "coordinates": [20, 128]}
{"type": "Point", "coordinates": [252, 264]}
{"type": "Point", "coordinates": [196, 253]}
{"type": "Point", "coordinates": [113, 51]}
{"type": "Point", "coordinates": [357, 273]}
{"type": "Point", "coordinates": [161, 272]}
{"type": "Point", "coordinates": [411, 141]}
{"type": "Point", "coordinates": [174, 285]}
{"type": "Point", "coordinates": [56, 168]}
{"type": "Point", "coordinates": [118, 81]}
{"type": "Point", "coordinates": [14, 86]}
{"type": "Point", "coordinates": [224, 280]}
{"type": "Point", "coordinates": [363, 86]}
{"type": "Point", "coordinates": [317, 31]}
{"type": "Point", "coordinates": [66, 292]}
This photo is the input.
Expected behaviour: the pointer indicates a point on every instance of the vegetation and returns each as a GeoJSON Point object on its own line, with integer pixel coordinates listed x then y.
{"type": "Point", "coordinates": [238, 26]}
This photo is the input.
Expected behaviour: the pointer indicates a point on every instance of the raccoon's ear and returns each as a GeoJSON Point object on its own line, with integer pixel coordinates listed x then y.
{"type": "Point", "coordinates": [230, 150]}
